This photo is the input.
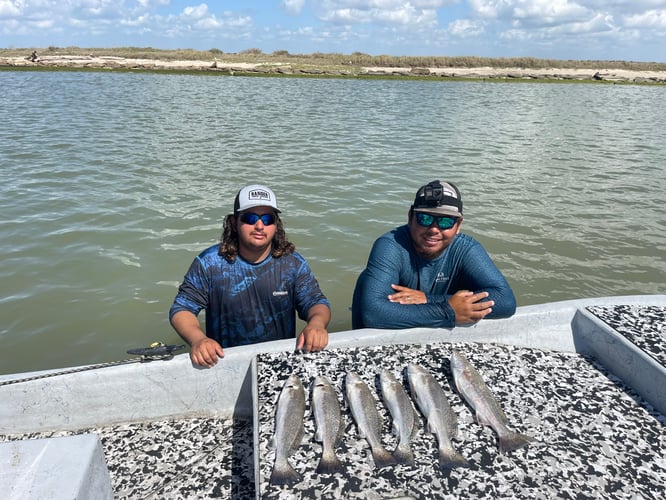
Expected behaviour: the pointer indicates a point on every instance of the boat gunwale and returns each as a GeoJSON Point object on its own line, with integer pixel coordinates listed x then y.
{"type": "Point", "coordinates": [157, 390]}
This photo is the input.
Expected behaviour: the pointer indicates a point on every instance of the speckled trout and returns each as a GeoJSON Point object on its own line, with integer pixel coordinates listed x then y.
{"type": "Point", "coordinates": [487, 409]}
{"type": "Point", "coordinates": [441, 421]}
{"type": "Point", "coordinates": [403, 414]}
{"type": "Point", "coordinates": [288, 430]}
{"type": "Point", "coordinates": [368, 421]}
{"type": "Point", "coordinates": [329, 426]}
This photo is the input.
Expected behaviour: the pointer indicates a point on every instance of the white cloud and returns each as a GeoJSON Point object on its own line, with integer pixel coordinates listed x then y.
{"type": "Point", "coordinates": [196, 12]}
{"type": "Point", "coordinates": [10, 9]}
{"type": "Point", "coordinates": [532, 12]}
{"type": "Point", "coordinates": [293, 7]}
{"type": "Point", "coordinates": [417, 13]}
{"type": "Point", "coordinates": [464, 28]}
{"type": "Point", "coordinates": [648, 19]}
{"type": "Point", "coordinates": [137, 21]}
{"type": "Point", "coordinates": [549, 11]}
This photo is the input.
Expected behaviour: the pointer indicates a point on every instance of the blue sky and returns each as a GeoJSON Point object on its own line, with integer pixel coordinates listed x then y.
{"type": "Point", "coordinates": [633, 30]}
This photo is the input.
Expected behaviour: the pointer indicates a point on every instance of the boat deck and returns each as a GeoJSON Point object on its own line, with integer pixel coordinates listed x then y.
{"type": "Point", "coordinates": [594, 436]}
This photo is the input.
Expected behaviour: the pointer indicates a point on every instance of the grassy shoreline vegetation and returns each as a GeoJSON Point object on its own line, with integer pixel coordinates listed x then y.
{"type": "Point", "coordinates": [282, 63]}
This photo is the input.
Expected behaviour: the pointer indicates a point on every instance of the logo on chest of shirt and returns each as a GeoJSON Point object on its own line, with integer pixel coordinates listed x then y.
{"type": "Point", "coordinates": [441, 278]}
{"type": "Point", "coordinates": [280, 293]}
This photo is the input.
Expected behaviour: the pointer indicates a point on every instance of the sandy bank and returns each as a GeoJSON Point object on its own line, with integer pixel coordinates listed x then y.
{"type": "Point", "coordinates": [607, 74]}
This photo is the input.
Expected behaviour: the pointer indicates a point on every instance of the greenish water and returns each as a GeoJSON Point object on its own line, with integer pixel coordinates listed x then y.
{"type": "Point", "coordinates": [114, 182]}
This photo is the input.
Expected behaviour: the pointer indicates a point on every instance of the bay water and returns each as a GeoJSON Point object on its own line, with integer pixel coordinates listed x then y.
{"type": "Point", "coordinates": [113, 182]}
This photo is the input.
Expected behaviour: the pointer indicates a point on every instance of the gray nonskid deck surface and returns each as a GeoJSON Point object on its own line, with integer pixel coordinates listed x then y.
{"type": "Point", "coordinates": [176, 459]}
{"type": "Point", "coordinates": [643, 326]}
{"type": "Point", "coordinates": [595, 437]}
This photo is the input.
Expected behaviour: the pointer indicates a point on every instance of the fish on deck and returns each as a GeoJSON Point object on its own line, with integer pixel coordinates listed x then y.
{"type": "Point", "coordinates": [487, 410]}
{"type": "Point", "coordinates": [288, 430]}
{"type": "Point", "coordinates": [403, 414]}
{"type": "Point", "coordinates": [368, 421]}
{"type": "Point", "coordinates": [441, 420]}
{"type": "Point", "coordinates": [329, 424]}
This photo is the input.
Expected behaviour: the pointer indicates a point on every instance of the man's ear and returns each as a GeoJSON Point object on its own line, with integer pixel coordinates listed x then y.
{"type": "Point", "coordinates": [460, 221]}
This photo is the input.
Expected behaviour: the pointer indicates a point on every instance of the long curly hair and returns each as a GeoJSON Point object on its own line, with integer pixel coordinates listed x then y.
{"type": "Point", "coordinates": [229, 239]}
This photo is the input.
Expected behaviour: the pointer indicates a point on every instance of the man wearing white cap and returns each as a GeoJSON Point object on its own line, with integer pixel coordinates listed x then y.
{"type": "Point", "coordinates": [251, 286]}
{"type": "Point", "coordinates": [427, 273]}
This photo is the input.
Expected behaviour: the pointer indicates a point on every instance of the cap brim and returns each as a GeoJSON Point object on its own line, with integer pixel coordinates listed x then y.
{"type": "Point", "coordinates": [451, 211]}
{"type": "Point", "coordinates": [255, 205]}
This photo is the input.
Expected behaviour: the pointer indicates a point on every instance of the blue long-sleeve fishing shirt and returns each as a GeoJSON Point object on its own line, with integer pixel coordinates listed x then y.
{"type": "Point", "coordinates": [464, 265]}
{"type": "Point", "coordinates": [247, 303]}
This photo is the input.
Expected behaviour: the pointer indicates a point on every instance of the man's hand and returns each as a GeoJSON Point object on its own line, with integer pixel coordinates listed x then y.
{"type": "Point", "coordinates": [468, 306]}
{"type": "Point", "coordinates": [205, 352]}
{"type": "Point", "coordinates": [406, 295]}
{"type": "Point", "coordinates": [312, 339]}
{"type": "Point", "coordinates": [314, 336]}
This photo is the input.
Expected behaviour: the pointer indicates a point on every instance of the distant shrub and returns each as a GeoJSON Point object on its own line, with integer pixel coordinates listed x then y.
{"type": "Point", "coordinates": [215, 51]}
{"type": "Point", "coordinates": [251, 52]}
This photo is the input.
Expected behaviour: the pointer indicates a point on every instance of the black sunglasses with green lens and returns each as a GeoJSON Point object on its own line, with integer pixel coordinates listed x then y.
{"type": "Point", "coordinates": [443, 221]}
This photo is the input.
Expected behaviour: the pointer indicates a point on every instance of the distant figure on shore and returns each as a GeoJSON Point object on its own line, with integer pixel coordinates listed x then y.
{"type": "Point", "coordinates": [33, 57]}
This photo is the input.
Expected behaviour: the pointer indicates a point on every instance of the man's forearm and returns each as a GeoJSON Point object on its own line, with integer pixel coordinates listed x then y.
{"type": "Point", "coordinates": [319, 316]}
{"type": "Point", "coordinates": [380, 313]}
{"type": "Point", "coordinates": [187, 326]}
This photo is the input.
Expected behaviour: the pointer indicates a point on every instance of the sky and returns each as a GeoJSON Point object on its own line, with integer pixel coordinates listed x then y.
{"type": "Point", "coordinates": [629, 30]}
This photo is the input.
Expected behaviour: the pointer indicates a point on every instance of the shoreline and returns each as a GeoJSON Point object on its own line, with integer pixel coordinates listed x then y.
{"type": "Point", "coordinates": [611, 75]}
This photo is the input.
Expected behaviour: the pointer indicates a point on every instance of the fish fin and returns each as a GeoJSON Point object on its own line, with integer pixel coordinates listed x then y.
{"type": "Point", "coordinates": [382, 458]}
{"type": "Point", "coordinates": [450, 459]}
{"type": "Point", "coordinates": [417, 419]}
{"type": "Point", "coordinates": [513, 441]}
{"type": "Point", "coordinates": [298, 440]}
{"type": "Point", "coordinates": [433, 422]}
{"type": "Point", "coordinates": [429, 424]}
{"type": "Point", "coordinates": [403, 454]}
{"type": "Point", "coordinates": [330, 464]}
{"type": "Point", "coordinates": [481, 419]}
{"type": "Point", "coordinates": [283, 473]}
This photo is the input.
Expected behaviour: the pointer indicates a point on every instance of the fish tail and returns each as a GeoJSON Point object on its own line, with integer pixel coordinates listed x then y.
{"type": "Point", "coordinates": [330, 464]}
{"type": "Point", "coordinates": [450, 459]}
{"type": "Point", "coordinates": [382, 458]}
{"type": "Point", "coordinates": [513, 441]}
{"type": "Point", "coordinates": [284, 473]}
{"type": "Point", "coordinates": [403, 454]}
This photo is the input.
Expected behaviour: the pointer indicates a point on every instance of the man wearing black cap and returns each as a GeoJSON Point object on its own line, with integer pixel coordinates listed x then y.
{"type": "Point", "coordinates": [251, 286]}
{"type": "Point", "coordinates": [427, 273]}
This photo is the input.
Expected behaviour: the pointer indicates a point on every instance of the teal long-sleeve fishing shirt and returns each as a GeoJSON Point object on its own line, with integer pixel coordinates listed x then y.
{"type": "Point", "coordinates": [464, 265]}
